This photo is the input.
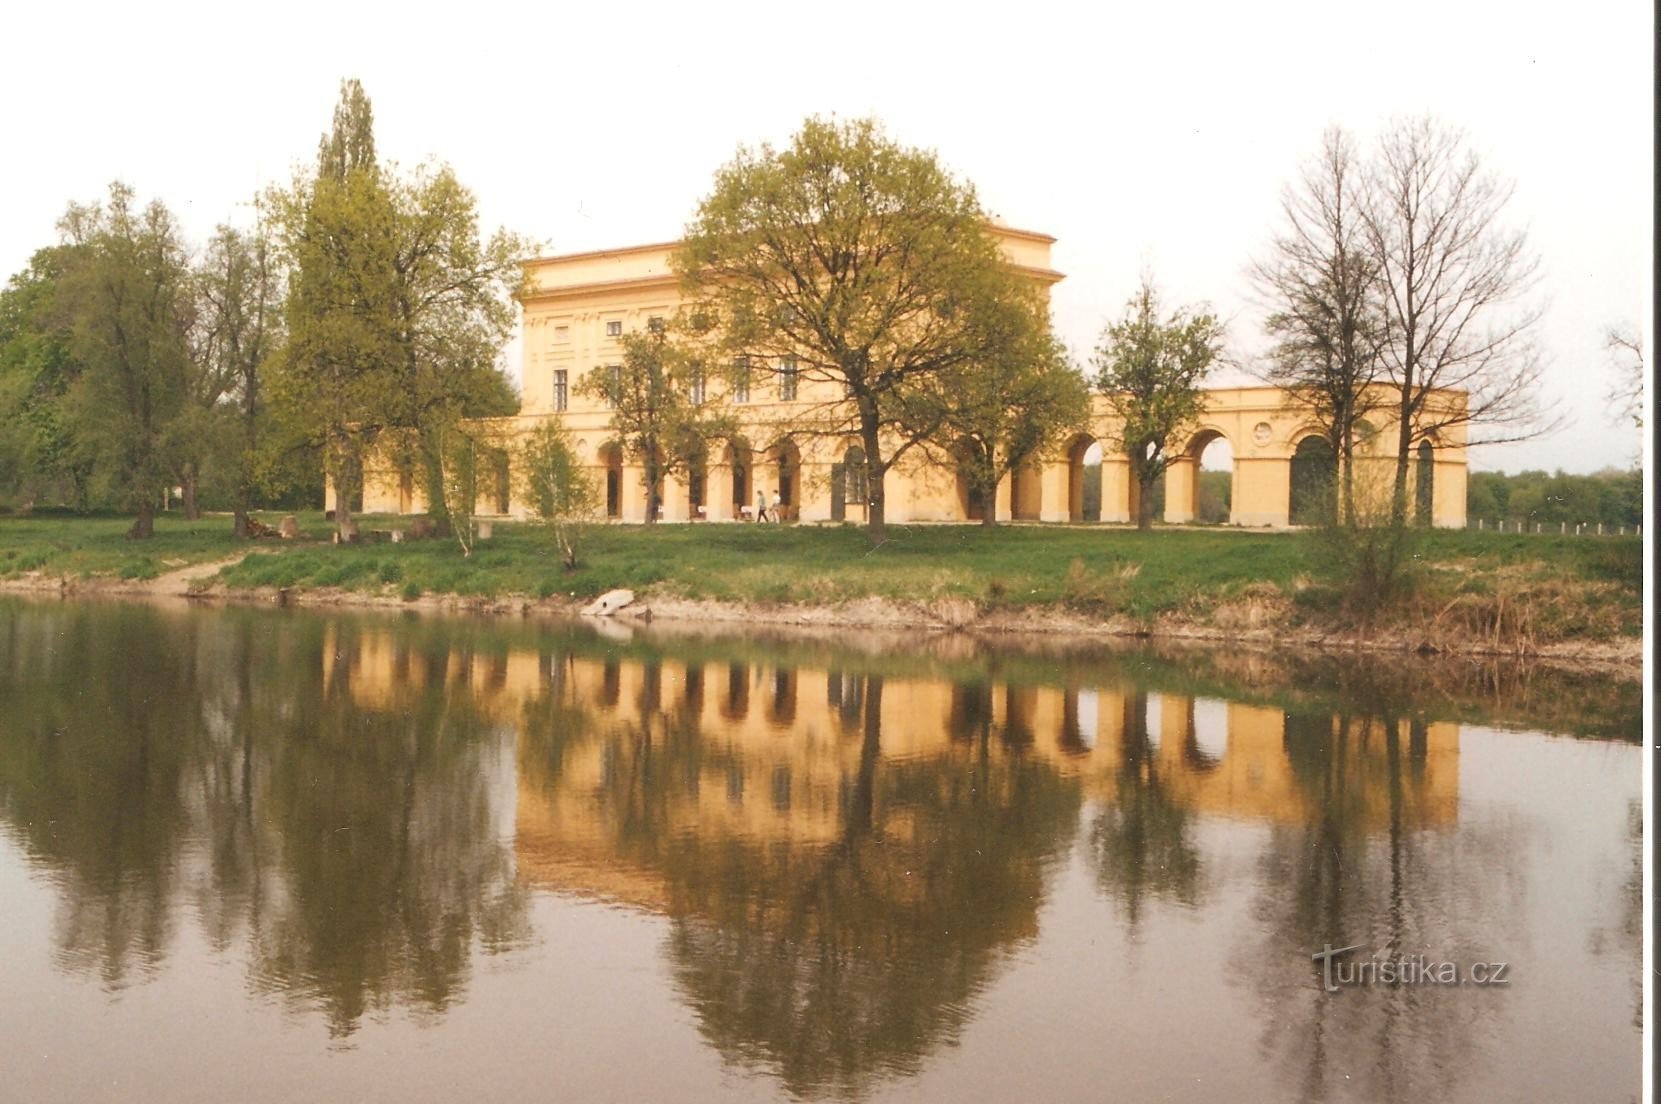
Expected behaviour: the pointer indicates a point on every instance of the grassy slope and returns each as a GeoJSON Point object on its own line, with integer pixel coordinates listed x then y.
{"type": "Point", "coordinates": [1591, 585]}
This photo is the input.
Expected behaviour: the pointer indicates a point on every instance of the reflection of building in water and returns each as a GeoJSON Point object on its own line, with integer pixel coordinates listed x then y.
{"type": "Point", "coordinates": [846, 858]}
{"type": "Point", "coordinates": [779, 744]}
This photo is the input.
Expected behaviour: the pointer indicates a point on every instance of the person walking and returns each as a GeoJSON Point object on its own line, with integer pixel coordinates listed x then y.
{"type": "Point", "coordinates": [778, 512]}
{"type": "Point", "coordinates": [761, 505]}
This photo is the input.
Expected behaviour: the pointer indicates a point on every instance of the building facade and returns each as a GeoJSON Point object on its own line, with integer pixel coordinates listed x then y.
{"type": "Point", "coordinates": [578, 307]}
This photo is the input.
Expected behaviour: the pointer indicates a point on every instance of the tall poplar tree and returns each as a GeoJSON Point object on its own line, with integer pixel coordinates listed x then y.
{"type": "Point", "coordinates": [337, 230]}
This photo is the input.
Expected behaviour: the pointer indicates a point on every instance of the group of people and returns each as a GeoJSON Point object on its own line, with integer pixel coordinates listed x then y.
{"type": "Point", "coordinates": [762, 512]}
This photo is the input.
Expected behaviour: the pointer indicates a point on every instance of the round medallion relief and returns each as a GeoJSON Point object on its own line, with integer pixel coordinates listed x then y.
{"type": "Point", "coordinates": [1261, 433]}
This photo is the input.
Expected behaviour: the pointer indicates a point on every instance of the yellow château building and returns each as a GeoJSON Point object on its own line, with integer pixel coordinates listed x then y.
{"type": "Point", "coordinates": [577, 307]}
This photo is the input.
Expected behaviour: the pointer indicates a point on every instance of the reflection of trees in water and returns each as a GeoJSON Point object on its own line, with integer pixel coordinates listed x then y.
{"type": "Point", "coordinates": [1348, 875]}
{"type": "Point", "coordinates": [149, 758]}
{"type": "Point", "coordinates": [1141, 841]}
{"type": "Point", "coordinates": [92, 768]}
{"type": "Point", "coordinates": [1626, 935]}
{"type": "Point", "coordinates": [835, 963]}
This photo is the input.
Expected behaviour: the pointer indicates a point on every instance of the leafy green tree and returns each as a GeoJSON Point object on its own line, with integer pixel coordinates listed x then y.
{"type": "Point", "coordinates": [1151, 368]}
{"type": "Point", "coordinates": [337, 231]}
{"type": "Point", "coordinates": [125, 297]}
{"type": "Point", "coordinates": [240, 289]}
{"type": "Point", "coordinates": [559, 488]}
{"type": "Point", "coordinates": [39, 457]}
{"type": "Point", "coordinates": [397, 310]}
{"type": "Point", "coordinates": [656, 397]}
{"type": "Point", "coordinates": [1004, 412]}
{"type": "Point", "coordinates": [856, 258]}
{"type": "Point", "coordinates": [454, 310]}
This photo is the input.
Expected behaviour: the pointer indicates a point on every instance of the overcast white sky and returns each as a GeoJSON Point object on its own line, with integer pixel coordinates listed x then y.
{"type": "Point", "coordinates": [1142, 134]}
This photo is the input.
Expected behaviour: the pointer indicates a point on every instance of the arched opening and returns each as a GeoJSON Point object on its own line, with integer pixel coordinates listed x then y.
{"type": "Point", "coordinates": [781, 706]}
{"type": "Point", "coordinates": [1198, 485]}
{"type": "Point", "coordinates": [1078, 722]}
{"type": "Point", "coordinates": [611, 460]}
{"type": "Point", "coordinates": [784, 474]}
{"type": "Point", "coordinates": [1084, 480]}
{"type": "Point", "coordinates": [850, 485]}
{"type": "Point", "coordinates": [970, 716]}
{"type": "Point", "coordinates": [697, 486]}
{"type": "Point", "coordinates": [1313, 470]}
{"type": "Point", "coordinates": [1203, 744]}
{"type": "Point", "coordinates": [735, 703]}
{"type": "Point", "coordinates": [1424, 484]}
{"type": "Point", "coordinates": [737, 460]}
{"type": "Point", "coordinates": [503, 487]}
{"type": "Point", "coordinates": [1214, 482]}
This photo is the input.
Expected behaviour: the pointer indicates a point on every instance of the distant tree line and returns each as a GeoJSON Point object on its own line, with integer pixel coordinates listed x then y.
{"type": "Point", "coordinates": [1611, 497]}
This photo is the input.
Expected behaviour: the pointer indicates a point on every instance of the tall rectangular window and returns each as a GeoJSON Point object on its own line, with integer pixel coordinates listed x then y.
{"type": "Point", "coordinates": [614, 384]}
{"type": "Point", "coordinates": [788, 373]}
{"type": "Point", "coordinates": [695, 385]}
{"type": "Point", "coordinates": [741, 379]}
{"type": "Point", "coordinates": [560, 389]}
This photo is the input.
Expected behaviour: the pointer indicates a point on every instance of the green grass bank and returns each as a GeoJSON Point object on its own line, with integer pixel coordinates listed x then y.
{"type": "Point", "coordinates": [1467, 590]}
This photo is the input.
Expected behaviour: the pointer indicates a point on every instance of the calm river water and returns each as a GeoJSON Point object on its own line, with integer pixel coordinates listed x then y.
{"type": "Point", "coordinates": [261, 855]}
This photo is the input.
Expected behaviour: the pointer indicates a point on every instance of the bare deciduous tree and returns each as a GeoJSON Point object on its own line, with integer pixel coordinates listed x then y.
{"type": "Point", "coordinates": [1454, 280]}
{"type": "Point", "coordinates": [1626, 388]}
{"type": "Point", "coordinates": [1320, 284]}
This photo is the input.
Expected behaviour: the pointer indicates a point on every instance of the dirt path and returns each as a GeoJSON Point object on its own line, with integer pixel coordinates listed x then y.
{"type": "Point", "coordinates": [179, 581]}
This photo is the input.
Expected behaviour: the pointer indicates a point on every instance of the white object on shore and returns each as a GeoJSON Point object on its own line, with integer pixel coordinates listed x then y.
{"type": "Point", "coordinates": [608, 603]}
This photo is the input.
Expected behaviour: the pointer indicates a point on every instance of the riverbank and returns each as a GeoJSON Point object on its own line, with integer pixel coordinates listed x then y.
{"type": "Point", "coordinates": [1563, 598]}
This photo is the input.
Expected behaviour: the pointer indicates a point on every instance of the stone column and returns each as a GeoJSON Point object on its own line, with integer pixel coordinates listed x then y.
{"type": "Point", "coordinates": [1116, 494]}
{"type": "Point", "coordinates": [1053, 487]}
{"type": "Point", "coordinates": [677, 497]}
{"type": "Point", "coordinates": [718, 492]}
{"type": "Point", "coordinates": [1179, 490]}
{"type": "Point", "coordinates": [634, 493]}
{"type": "Point", "coordinates": [1003, 507]}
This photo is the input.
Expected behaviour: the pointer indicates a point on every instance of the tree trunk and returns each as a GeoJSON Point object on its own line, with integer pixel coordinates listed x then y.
{"type": "Point", "coordinates": [1404, 446]}
{"type": "Point", "coordinates": [876, 521]}
{"type": "Point", "coordinates": [346, 487]}
{"type": "Point", "coordinates": [144, 526]}
{"type": "Point", "coordinates": [649, 470]}
{"type": "Point", "coordinates": [187, 487]}
{"type": "Point", "coordinates": [1144, 502]}
{"type": "Point", "coordinates": [432, 468]}
{"type": "Point", "coordinates": [250, 444]}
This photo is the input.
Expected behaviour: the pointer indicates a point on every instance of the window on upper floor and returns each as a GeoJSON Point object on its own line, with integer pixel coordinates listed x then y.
{"type": "Point", "coordinates": [562, 333]}
{"type": "Point", "coordinates": [614, 384]}
{"type": "Point", "coordinates": [655, 324]}
{"type": "Point", "coordinates": [561, 389]}
{"type": "Point", "coordinates": [614, 328]}
{"type": "Point", "coordinates": [695, 385]}
{"type": "Point", "coordinates": [741, 379]}
{"type": "Point", "coordinates": [788, 374]}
